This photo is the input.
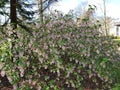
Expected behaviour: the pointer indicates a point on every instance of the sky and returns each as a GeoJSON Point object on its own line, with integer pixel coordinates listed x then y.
{"type": "Point", "coordinates": [112, 6]}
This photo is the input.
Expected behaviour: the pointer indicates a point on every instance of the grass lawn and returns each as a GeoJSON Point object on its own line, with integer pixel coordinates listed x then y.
{"type": "Point", "coordinates": [117, 41]}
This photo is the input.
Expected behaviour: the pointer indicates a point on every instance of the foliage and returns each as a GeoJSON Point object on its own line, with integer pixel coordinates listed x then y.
{"type": "Point", "coordinates": [3, 2]}
{"type": "Point", "coordinates": [117, 87]}
{"type": "Point", "coordinates": [25, 10]}
{"type": "Point", "coordinates": [48, 3]}
{"type": "Point", "coordinates": [61, 56]}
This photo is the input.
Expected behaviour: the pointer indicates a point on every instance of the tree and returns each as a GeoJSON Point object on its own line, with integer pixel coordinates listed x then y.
{"type": "Point", "coordinates": [41, 11]}
{"type": "Point", "coordinates": [43, 5]}
{"type": "Point", "coordinates": [26, 13]}
{"type": "Point", "coordinates": [25, 9]}
{"type": "Point", "coordinates": [13, 13]}
{"type": "Point", "coordinates": [3, 10]}
{"type": "Point", "coordinates": [20, 10]}
{"type": "Point", "coordinates": [87, 15]}
{"type": "Point", "coordinates": [109, 24]}
{"type": "Point", "coordinates": [105, 18]}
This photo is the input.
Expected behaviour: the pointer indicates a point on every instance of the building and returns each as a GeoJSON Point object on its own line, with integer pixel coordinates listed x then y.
{"type": "Point", "coordinates": [117, 25]}
{"type": "Point", "coordinates": [115, 30]}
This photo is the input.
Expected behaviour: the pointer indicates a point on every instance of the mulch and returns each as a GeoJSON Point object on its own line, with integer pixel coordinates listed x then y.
{"type": "Point", "coordinates": [5, 88]}
{"type": "Point", "coordinates": [4, 83]}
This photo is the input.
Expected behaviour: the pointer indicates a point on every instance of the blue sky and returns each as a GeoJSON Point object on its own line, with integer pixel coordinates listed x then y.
{"type": "Point", "coordinates": [113, 6]}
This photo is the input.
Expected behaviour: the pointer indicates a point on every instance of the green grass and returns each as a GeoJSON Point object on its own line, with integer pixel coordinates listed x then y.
{"type": "Point", "coordinates": [117, 87]}
{"type": "Point", "coordinates": [117, 41]}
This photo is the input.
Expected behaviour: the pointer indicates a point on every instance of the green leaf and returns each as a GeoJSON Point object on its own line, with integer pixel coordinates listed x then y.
{"type": "Point", "coordinates": [47, 77]}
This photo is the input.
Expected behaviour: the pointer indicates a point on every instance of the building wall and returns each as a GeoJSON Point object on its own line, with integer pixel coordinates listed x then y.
{"type": "Point", "coordinates": [115, 31]}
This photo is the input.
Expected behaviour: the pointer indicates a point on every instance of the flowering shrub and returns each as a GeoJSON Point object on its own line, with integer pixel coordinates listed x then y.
{"type": "Point", "coordinates": [61, 56]}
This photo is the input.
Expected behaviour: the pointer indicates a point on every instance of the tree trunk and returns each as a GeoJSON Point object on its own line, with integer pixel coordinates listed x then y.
{"type": "Point", "coordinates": [13, 14]}
{"type": "Point", "coordinates": [105, 19]}
{"type": "Point", "coordinates": [41, 11]}
{"type": "Point", "coordinates": [14, 37]}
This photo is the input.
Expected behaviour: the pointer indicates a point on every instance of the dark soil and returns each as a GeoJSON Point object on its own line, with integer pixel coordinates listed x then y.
{"type": "Point", "coordinates": [4, 83]}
